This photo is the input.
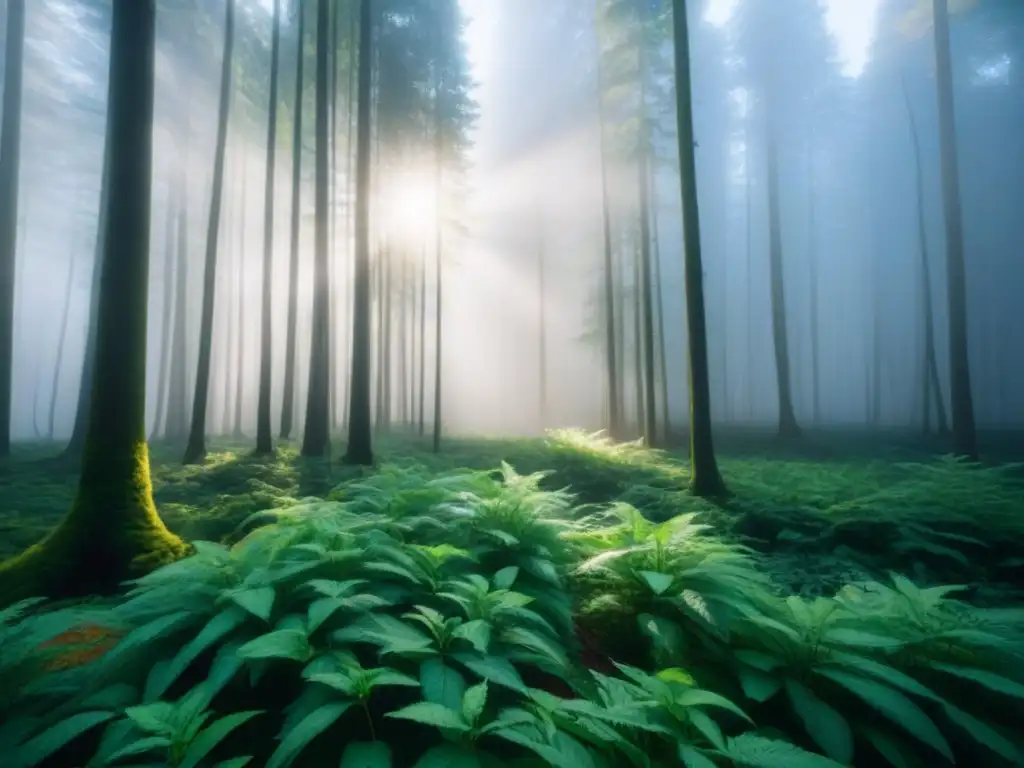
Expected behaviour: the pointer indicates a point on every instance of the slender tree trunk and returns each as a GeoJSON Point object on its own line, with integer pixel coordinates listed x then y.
{"type": "Point", "coordinates": [964, 437]}
{"type": "Point", "coordinates": [360, 450]}
{"type": "Point", "coordinates": [224, 326]}
{"type": "Point", "coordinates": [316, 435]}
{"type": "Point", "coordinates": [177, 396]}
{"type": "Point", "coordinates": [113, 530]}
{"type": "Point", "coordinates": [387, 314]}
{"type": "Point", "coordinates": [815, 287]}
{"type": "Point", "coordinates": [438, 261]}
{"type": "Point", "coordinates": [542, 345]}
{"type": "Point", "coordinates": [649, 425]}
{"type": "Point", "coordinates": [288, 396]}
{"type": "Point", "coordinates": [705, 479]}
{"type": "Point", "coordinates": [195, 451]}
{"type": "Point", "coordinates": [751, 388]}
{"type": "Point", "coordinates": [787, 418]}
{"type": "Point", "coordinates": [264, 439]}
{"type": "Point", "coordinates": [58, 363]}
{"type": "Point", "coordinates": [10, 159]}
{"type": "Point", "coordinates": [611, 365]}
{"type": "Point", "coordinates": [236, 430]}
{"type": "Point", "coordinates": [660, 314]}
{"type": "Point", "coordinates": [346, 348]}
{"type": "Point", "coordinates": [638, 340]}
{"type": "Point", "coordinates": [166, 322]}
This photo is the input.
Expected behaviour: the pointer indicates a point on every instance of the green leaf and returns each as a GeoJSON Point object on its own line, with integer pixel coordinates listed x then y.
{"type": "Point", "coordinates": [893, 705]}
{"type": "Point", "coordinates": [428, 713]}
{"type": "Point", "coordinates": [157, 717]}
{"type": "Point", "coordinates": [448, 756]}
{"type": "Point", "coordinates": [758, 752]}
{"type": "Point", "coordinates": [279, 644]}
{"type": "Point", "coordinates": [676, 675]}
{"type": "Point", "coordinates": [476, 632]}
{"type": "Point", "coordinates": [699, 698]}
{"type": "Point", "coordinates": [304, 731]}
{"type": "Point", "coordinates": [827, 727]}
{"type": "Point", "coordinates": [366, 754]}
{"type": "Point", "coordinates": [887, 746]}
{"type": "Point", "coordinates": [856, 637]}
{"type": "Point", "coordinates": [985, 734]}
{"type": "Point", "coordinates": [473, 702]}
{"type": "Point", "coordinates": [757, 685]}
{"type": "Point", "coordinates": [259, 601]}
{"type": "Point", "coordinates": [144, 635]}
{"type": "Point", "coordinates": [990, 680]}
{"type": "Point", "coordinates": [758, 660]}
{"type": "Point", "coordinates": [658, 582]}
{"type": "Point", "coordinates": [140, 747]}
{"type": "Point", "coordinates": [51, 740]}
{"type": "Point", "coordinates": [215, 629]}
{"type": "Point", "coordinates": [234, 762]}
{"type": "Point", "coordinates": [691, 758]}
{"type": "Point", "coordinates": [213, 735]}
{"type": "Point", "coordinates": [441, 684]}
{"type": "Point", "coordinates": [506, 577]}
{"type": "Point", "coordinates": [708, 728]}
{"type": "Point", "coordinates": [494, 669]}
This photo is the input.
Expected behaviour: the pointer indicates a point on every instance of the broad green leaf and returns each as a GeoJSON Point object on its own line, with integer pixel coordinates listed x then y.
{"type": "Point", "coordinates": [476, 632]}
{"type": "Point", "coordinates": [448, 756]}
{"type": "Point", "coordinates": [893, 705]}
{"type": "Point", "coordinates": [259, 601]}
{"type": "Point", "coordinates": [676, 675]}
{"type": "Point", "coordinates": [55, 737]}
{"type": "Point", "coordinates": [506, 577]}
{"type": "Point", "coordinates": [213, 735]}
{"type": "Point", "coordinates": [494, 669]}
{"type": "Point", "coordinates": [758, 660]}
{"type": "Point", "coordinates": [366, 754]}
{"type": "Point", "coordinates": [157, 717]}
{"type": "Point", "coordinates": [859, 638]}
{"type": "Point", "coordinates": [699, 698]}
{"type": "Point", "coordinates": [827, 727]}
{"type": "Point", "coordinates": [658, 582]}
{"type": "Point", "coordinates": [985, 734]}
{"type": "Point", "coordinates": [473, 702]}
{"type": "Point", "coordinates": [708, 728]}
{"type": "Point", "coordinates": [428, 713]}
{"type": "Point", "coordinates": [990, 680]}
{"type": "Point", "coordinates": [144, 635]}
{"type": "Point", "coordinates": [279, 644]}
{"type": "Point", "coordinates": [748, 749]}
{"type": "Point", "coordinates": [216, 628]}
{"type": "Point", "coordinates": [441, 684]}
{"type": "Point", "coordinates": [887, 746]}
{"type": "Point", "coordinates": [757, 685]}
{"type": "Point", "coordinates": [140, 747]}
{"type": "Point", "coordinates": [234, 762]}
{"type": "Point", "coordinates": [304, 731]}
{"type": "Point", "coordinates": [691, 758]}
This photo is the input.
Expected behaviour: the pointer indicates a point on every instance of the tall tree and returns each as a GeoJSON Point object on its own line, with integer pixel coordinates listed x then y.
{"type": "Point", "coordinates": [113, 529]}
{"type": "Point", "coordinates": [195, 451]}
{"type": "Point", "coordinates": [360, 448]}
{"type": "Point", "coordinates": [264, 439]}
{"type": "Point", "coordinates": [168, 315]}
{"type": "Point", "coordinates": [438, 258]}
{"type": "Point", "coordinates": [61, 338]}
{"type": "Point", "coordinates": [316, 435]}
{"type": "Point", "coordinates": [10, 158]}
{"type": "Point", "coordinates": [964, 438]}
{"type": "Point", "coordinates": [288, 396]}
{"type": "Point", "coordinates": [177, 389]}
{"type": "Point", "coordinates": [705, 479]}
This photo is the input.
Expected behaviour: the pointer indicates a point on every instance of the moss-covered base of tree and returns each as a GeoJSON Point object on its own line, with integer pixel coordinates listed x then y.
{"type": "Point", "coordinates": [94, 549]}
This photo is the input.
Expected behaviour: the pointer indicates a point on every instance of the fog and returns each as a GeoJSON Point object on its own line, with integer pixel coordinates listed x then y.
{"type": "Point", "coordinates": [532, 212]}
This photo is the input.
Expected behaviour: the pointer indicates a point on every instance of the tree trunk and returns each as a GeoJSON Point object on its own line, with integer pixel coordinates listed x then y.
{"type": "Point", "coordinates": [288, 395]}
{"type": "Point", "coordinates": [964, 437]}
{"type": "Point", "coordinates": [177, 395]}
{"type": "Point", "coordinates": [165, 324]}
{"type": "Point", "coordinates": [316, 435]}
{"type": "Point", "coordinates": [10, 158]}
{"type": "Point", "coordinates": [659, 309]}
{"type": "Point", "coordinates": [360, 450]}
{"type": "Point", "coordinates": [113, 530]}
{"type": "Point", "coordinates": [421, 415]}
{"type": "Point", "coordinates": [264, 439]}
{"type": "Point", "coordinates": [788, 426]}
{"type": "Point", "coordinates": [813, 276]}
{"type": "Point", "coordinates": [236, 430]}
{"type": "Point", "coordinates": [58, 363]}
{"type": "Point", "coordinates": [195, 451]}
{"type": "Point", "coordinates": [438, 259]}
{"type": "Point", "coordinates": [705, 479]}
{"type": "Point", "coordinates": [649, 426]}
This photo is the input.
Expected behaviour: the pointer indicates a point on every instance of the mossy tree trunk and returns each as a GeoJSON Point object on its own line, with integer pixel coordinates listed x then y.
{"type": "Point", "coordinates": [288, 395]}
{"type": "Point", "coordinates": [964, 437]}
{"type": "Point", "coordinates": [113, 530]}
{"type": "Point", "coordinates": [264, 434]}
{"type": "Point", "coordinates": [195, 451]}
{"type": "Point", "coordinates": [705, 478]}
{"type": "Point", "coordinates": [316, 434]}
{"type": "Point", "coordinates": [360, 449]}
{"type": "Point", "coordinates": [10, 155]}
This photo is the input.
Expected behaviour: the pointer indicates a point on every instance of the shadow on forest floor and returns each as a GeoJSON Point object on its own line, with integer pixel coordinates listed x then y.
{"type": "Point", "coordinates": [825, 510]}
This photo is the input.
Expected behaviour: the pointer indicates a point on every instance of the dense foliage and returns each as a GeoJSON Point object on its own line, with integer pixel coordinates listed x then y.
{"type": "Point", "coordinates": [472, 618]}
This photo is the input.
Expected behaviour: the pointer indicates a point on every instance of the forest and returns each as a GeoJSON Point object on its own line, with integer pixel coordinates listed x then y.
{"type": "Point", "coordinates": [511, 383]}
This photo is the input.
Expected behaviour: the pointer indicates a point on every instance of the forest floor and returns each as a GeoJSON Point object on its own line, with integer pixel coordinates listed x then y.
{"type": "Point", "coordinates": [827, 510]}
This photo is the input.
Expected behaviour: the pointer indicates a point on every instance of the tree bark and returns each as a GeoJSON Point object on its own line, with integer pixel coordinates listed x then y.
{"type": "Point", "coordinates": [264, 438]}
{"type": "Point", "coordinates": [165, 324]}
{"type": "Point", "coordinates": [705, 479]}
{"type": "Point", "coordinates": [195, 451]}
{"type": "Point", "coordinates": [360, 450]}
{"type": "Point", "coordinates": [113, 530]}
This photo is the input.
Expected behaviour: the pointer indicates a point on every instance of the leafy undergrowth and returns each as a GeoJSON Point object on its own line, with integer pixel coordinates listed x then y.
{"type": "Point", "coordinates": [820, 513]}
{"type": "Point", "coordinates": [472, 618]}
